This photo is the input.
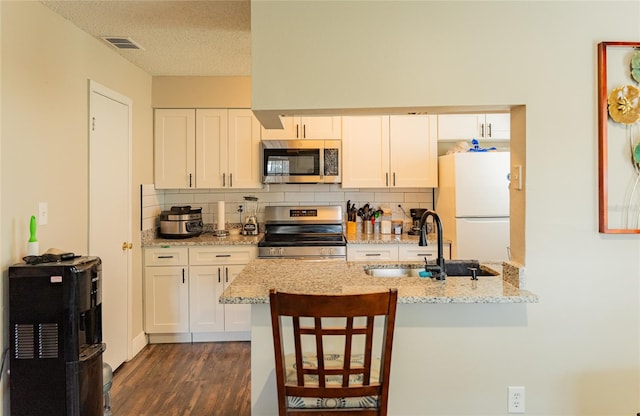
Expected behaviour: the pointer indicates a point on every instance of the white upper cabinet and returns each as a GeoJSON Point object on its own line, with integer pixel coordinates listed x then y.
{"type": "Point", "coordinates": [414, 152]}
{"type": "Point", "coordinates": [212, 166]}
{"type": "Point", "coordinates": [174, 148]}
{"type": "Point", "coordinates": [244, 155]}
{"type": "Point", "coordinates": [365, 152]}
{"type": "Point", "coordinates": [388, 151]}
{"type": "Point", "coordinates": [453, 127]}
{"type": "Point", "coordinates": [305, 128]}
{"type": "Point", "coordinates": [206, 148]}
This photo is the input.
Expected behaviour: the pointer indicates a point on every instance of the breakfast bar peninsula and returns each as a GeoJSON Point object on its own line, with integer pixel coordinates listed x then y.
{"type": "Point", "coordinates": [427, 310]}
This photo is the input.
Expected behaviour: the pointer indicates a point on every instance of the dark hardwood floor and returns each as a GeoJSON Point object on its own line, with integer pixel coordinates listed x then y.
{"type": "Point", "coordinates": [200, 379]}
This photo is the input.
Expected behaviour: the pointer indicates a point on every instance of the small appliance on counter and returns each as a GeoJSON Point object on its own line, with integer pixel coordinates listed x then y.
{"type": "Point", "coordinates": [416, 215]}
{"type": "Point", "coordinates": [250, 225]}
{"type": "Point", "coordinates": [181, 222]}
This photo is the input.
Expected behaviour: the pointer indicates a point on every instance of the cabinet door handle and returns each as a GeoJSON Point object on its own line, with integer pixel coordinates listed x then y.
{"type": "Point", "coordinates": [231, 180]}
{"type": "Point", "coordinates": [223, 179]}
{"type": "Point", "coordinates": [489, 129]}
{"type": "Point", "coordinates": [182, 275]}
{"type": "Point", "coordinates": [297, 132]}
{"type": "Point", "coordinates": [165, 257]}
{"type": "Point", "coordinates": [394, 179]}
{"type": "Point", "coordinates": [386, 179]}
{"type": "Point", "coordinates": [373, 254]}
{"type": "Point", "coordinates": [481, 129]}
{"type": "Point", "coordinates": [226, 275]}
{"type": "Point", "coordinates": [223, 255]}
{"type": "Point", "coordinates": [190, 181]}
{"type": "Point", "coordinates": [304, 131]}
{"type": "Point", "coordinates": [219, 275]}
{"type": "Point", "coordinates": [424, 254]}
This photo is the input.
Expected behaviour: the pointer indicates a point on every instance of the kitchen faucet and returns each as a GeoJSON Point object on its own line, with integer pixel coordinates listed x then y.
{"type": "Point", "coordinates": [438, 269]}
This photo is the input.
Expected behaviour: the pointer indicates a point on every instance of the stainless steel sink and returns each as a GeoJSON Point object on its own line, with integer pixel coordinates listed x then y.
{"type": "Point", "coordinates": [452, 268]}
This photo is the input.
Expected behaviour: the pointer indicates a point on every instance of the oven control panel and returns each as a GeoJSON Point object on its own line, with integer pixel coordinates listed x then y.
{"type": "Point", "coordinates": [303, 213]}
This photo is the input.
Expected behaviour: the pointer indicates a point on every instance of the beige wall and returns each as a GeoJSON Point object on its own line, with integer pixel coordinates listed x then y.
{"type": "Point", "coordinates": [201, 92]}
{"type": "Point", "coordinates": [578, 351]}
{"type": "Point", "coordinates": [46, 66]}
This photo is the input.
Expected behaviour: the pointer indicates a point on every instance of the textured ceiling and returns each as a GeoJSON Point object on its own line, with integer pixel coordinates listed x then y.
{"type": "Point", "coordinates": [180, 38]}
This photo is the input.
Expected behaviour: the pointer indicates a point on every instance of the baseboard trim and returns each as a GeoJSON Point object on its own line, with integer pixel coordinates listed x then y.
{"type": "Point", "coordinates": [139, 342]}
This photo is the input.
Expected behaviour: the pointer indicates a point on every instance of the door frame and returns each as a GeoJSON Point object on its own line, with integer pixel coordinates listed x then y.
{"type": "Point", "coordinates": [95, 87]}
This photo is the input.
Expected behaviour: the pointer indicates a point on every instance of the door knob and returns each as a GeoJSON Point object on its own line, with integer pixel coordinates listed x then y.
{"type": "Point", "coordinates": [126, 246]}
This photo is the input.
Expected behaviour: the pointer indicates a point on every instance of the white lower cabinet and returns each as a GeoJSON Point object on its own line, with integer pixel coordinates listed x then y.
{"type": "Point", "coordinates": [417, 253]}
{"type": "Point", "coordinates": [372, 252]}
{"type": "Point", "coordinates": [181, 301]}
{"type": "Point", "coordinates": [394, 252]}
{"type": "Point", "coordinates": [166, 299]}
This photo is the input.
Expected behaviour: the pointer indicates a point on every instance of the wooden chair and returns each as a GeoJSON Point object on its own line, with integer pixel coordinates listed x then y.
{"type": "Point", "coordinates": [350, 338]}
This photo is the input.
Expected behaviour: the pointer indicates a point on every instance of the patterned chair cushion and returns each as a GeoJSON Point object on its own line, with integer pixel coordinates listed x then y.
{"type": "Point", "coordinates": [330, 360]}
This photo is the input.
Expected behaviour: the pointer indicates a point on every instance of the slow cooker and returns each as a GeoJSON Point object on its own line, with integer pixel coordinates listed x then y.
{"type": "Point", "coordinates": [181, 222]}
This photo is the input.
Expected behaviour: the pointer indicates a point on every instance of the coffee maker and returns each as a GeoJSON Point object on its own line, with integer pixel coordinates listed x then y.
{"type": "Point", "coordinates": [416, 215]}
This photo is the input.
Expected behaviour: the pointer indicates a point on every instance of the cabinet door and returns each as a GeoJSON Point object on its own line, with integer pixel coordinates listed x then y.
{"type": "Point", "coordinates": [236, 317]}
{"type": "Point", "coordinates": [205, 287]}
{"type": "Point", "coordinates": [321, 128]}
{"type": "Point", "coordinates": [166, 300]}
{"type": "Point", "coordinates": [497, 126]}
{"type": "Point", "coordinates": [166, 256]}
{"type": "Point", "coordinates": [174, 148]}
{"type": "Point", "coordinates": [244, 150]}
{"type": "Point", "coordinates": [372, 252]}
{"type": "Point", "coordinates": [417, 253]}
{"type": "Point", "coordinates": [221, 255]}
{"type": "Point", "coordinates": [365, 152]}
{"type": "Point", "coordinates": [414, 154]}
{"type": "Point", "coordinates": [211, 148]}
{"type": "Point", "coordinates": [454, 127]}
{"type": "Point", "coordinates": [290, 130]}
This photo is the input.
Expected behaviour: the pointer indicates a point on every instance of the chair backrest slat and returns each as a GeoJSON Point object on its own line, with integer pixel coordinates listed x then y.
{"type": "Point", "coordinates": [317, 372]}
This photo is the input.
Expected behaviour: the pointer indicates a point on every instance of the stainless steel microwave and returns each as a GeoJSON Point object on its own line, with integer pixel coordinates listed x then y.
{"type": "Point", "coordinates": [301, 161]}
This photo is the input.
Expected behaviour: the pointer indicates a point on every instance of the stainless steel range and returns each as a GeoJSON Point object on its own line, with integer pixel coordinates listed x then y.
{"type": "Point", "coordinates": [303, 232]}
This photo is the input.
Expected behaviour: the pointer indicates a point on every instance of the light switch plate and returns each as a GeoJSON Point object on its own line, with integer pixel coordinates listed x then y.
{"type": "Point", "coordinates": [516, 177]}
{"type": "Point", "coordinates": [43, 213]}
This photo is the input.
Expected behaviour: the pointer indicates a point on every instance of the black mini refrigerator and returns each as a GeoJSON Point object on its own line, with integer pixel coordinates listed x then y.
{"type": "Point", "coordinates": [55, 319]}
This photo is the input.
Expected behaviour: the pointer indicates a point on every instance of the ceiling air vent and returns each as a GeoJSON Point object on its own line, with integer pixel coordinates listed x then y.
{"type": "Point", "coordinates": [121, 42]}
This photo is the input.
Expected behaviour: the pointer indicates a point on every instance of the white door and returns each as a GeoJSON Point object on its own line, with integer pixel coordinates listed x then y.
{"type": "Point", "coordinates": [110, 213]}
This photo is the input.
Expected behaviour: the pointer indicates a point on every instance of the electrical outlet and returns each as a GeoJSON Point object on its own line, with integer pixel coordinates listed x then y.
{"type": "Point", "coordinates": [515, 401]}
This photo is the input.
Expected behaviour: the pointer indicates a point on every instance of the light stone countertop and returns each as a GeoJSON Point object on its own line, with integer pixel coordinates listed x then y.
{"type": "Point", "coordinates": [252, 285]}
{"type": "Point", "coordinates": [205, 239]}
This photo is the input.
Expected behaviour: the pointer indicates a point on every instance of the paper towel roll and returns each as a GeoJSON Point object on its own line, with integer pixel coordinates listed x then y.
{"type": "Point", "coordinates": [221, 222]}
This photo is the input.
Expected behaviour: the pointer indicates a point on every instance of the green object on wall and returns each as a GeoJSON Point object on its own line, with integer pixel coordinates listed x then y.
{"type": "Point", "coordinates": [32, 229]}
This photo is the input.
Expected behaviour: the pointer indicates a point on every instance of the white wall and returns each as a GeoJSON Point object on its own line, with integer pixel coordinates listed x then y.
{"type": "Point", "coordinates": [46, 67]}
{"type": "Point", "coordinates": [579, 351]}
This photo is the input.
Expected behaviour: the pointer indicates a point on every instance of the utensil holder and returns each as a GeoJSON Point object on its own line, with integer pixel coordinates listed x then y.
{"type": "Point", "coordinates": [368, 227]}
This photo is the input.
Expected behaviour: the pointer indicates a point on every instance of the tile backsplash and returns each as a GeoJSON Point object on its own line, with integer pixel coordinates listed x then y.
{"type": "Point", "coordinates": [156, 200]}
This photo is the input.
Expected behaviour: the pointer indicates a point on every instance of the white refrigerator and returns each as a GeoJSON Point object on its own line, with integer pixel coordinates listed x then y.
{"type": "Point", "coordinates": [473, 203]}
